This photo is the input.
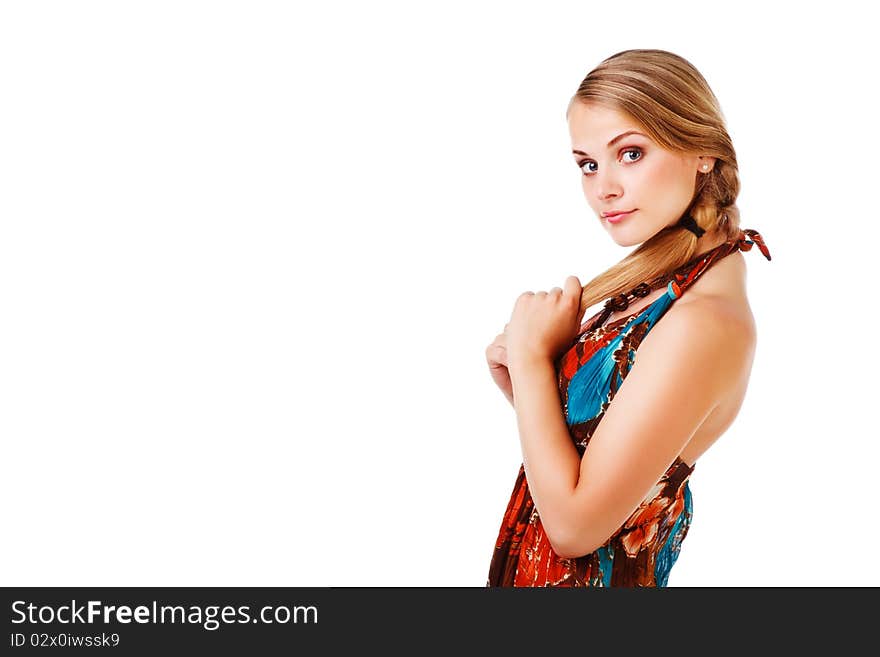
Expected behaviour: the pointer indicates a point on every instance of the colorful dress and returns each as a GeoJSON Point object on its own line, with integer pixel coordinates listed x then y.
{"type": "Point", "coordinates": [643, 550]}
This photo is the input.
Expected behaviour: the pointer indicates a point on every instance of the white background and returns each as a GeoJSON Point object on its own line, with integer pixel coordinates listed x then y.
{"type": "Point", "coordinates": [252, 254]}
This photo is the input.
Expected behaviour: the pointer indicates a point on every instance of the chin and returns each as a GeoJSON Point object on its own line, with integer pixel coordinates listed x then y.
{"type": "Point", "coordinates": [625, 238]}
{"type": "Point", "coordinates": [630, 234]}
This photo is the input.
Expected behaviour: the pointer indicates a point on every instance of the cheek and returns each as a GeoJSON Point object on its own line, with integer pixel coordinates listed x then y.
{"type": "Point", "coordinates": [657, 173]}
{"type": "Point", "coordinates": [589, 192]}
{"type": "Point", "coordinates": [663, 183]}
{"type": "Point", "coordinates": [671, 173]}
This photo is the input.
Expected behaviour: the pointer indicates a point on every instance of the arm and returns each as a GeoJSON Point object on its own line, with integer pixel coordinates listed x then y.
{"type": "Point", "coordinates": [683, 368]}
{"type": "Point", "coordinates": [550, 458]}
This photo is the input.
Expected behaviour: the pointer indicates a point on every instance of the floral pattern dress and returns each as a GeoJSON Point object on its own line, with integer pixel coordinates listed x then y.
{"type": "Point", "coordinates": [643, 550]}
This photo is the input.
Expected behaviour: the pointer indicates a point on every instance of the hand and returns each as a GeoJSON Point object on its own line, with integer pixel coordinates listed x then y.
{"type": "Point", "coordinates": [543, 324]}
{"type": "Point", "coordinates": [496, 357]}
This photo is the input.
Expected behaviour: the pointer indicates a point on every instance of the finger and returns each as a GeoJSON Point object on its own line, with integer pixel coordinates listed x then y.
{"type": "Point", "coordinates": [575, 290]}
{"type": "Point", "coordinates": [556, 290]}
{"type": "Point", "coordinates": [573, 286]}
{"type": "Point", "coordinates": [496, 355]}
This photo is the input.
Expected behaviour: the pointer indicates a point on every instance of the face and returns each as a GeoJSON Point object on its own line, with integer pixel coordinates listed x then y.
{"type": "Point", "coordinates": [630, 173]}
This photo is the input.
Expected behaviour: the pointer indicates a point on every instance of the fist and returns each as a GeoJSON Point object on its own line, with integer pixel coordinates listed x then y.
{"type": "Point", "coordinates": [544, 324]}
{"type": "Point", "coordinates": [496, 358]}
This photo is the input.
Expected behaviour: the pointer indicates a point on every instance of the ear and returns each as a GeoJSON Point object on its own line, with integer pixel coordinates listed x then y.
{"type": "Point", "coordinates": [705, 164]}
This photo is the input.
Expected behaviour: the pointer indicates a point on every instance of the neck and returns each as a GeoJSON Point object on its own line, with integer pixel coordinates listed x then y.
{"type": "Point", "coordinates": [710, 240]}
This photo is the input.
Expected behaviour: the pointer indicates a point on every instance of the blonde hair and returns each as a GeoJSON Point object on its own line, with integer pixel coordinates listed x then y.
{"type": "Point", "coordinates": [672, 102]}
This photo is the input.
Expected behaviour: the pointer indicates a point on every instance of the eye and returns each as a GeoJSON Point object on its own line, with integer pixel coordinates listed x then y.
{"type": "Point", "coordinates": [637, 151]}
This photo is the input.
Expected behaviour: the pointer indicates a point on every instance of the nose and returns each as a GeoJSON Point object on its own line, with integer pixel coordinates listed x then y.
{"type": "Point", "coordinates": [605, 187]}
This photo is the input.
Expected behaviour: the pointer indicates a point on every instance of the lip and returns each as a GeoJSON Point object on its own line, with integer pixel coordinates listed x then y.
{"type": "Point", "coordinates": [619, 216]}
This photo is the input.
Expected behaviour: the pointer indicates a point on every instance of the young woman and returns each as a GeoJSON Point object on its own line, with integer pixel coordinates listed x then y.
{"type": "Point", "coordinates": [614, 413]}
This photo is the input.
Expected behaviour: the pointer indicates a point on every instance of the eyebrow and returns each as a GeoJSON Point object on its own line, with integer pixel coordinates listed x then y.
{"type": "Point", "coordinates": [615, 140]}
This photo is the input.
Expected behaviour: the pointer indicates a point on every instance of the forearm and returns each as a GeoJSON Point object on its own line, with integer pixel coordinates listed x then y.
{"type": "Point", "coordinates": [550, 459]}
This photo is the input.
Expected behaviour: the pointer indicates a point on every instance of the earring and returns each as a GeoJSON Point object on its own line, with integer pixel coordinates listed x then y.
{"type": "Point", "coordinates": [705, 167]}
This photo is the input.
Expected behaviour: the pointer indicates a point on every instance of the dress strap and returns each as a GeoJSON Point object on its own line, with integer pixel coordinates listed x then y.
{"type": "Point", "coordinates": [685, 276]}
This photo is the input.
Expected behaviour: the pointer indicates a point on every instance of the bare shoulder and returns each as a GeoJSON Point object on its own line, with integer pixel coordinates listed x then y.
{"type": "Point", "coordinates": [717, 330]}
{"type": "Point", "coordinates": [715, 318]}
{"type": "Point", "coordinates": [719, 299]}
{"type": "Point", "coordinates": [710, 321]}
